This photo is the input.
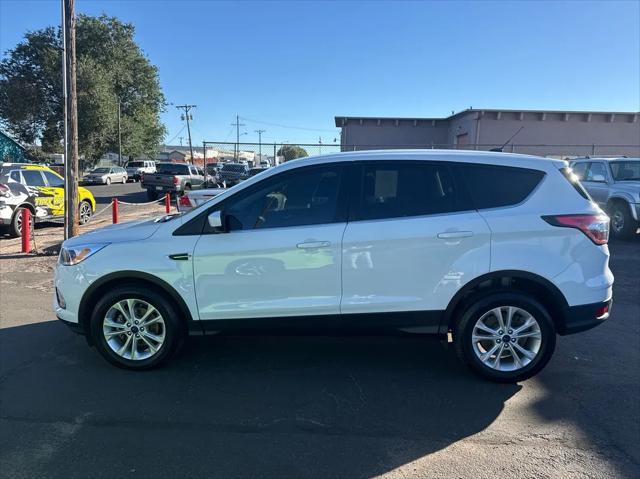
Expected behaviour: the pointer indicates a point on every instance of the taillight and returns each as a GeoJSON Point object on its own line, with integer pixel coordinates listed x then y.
{"type": "Point", "coordinates": [596, 227]}
{"type": "Point", "coordinates": [176, 180]}
{"type": "Point", "coordinates": [184, 201]}
{"type": "Point", "coordinates": [141, 177]}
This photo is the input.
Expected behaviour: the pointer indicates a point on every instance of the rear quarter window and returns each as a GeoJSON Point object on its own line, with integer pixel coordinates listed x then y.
{"type": "Point", "coordinates": [493, 186]}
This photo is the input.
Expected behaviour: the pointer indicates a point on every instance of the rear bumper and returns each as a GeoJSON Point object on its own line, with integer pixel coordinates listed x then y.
{"type": "Point", "coordinates": [585, 316]}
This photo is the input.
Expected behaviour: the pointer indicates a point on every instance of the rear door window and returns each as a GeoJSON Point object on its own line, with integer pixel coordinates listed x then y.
{"type": "Point", "coordinates": [394, 189]}
{"type": "Point", "coordinates": [493, 186]}
{"type": "Point", "coordinates": [33, 178]}
{"type": "Point", "coordinates": [596, 172]}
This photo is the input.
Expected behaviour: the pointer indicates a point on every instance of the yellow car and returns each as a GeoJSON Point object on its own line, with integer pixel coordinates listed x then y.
{"type": "Point", "coordinates": [39, 189]}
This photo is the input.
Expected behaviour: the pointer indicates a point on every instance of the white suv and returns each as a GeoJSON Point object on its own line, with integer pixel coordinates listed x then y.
{"type": "Point", "coordinates": [498, 252]}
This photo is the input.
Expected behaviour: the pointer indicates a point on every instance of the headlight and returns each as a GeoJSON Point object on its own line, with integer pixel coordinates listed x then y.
{"type": "Point", "coordinates": [76, 254]}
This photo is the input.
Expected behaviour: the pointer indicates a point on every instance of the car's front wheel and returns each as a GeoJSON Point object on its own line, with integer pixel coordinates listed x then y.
{"type": "Point", "coordinates": [107, 181]}
{"type": "Point", "coordinates": [505, 337]}
{"type": "Point", "coordinates": [135, 328]}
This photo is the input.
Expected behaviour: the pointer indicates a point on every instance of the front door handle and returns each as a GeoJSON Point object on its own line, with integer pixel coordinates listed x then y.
{"type": "Point", "coordinates": [455, 234]}
{"type": "Point", "coordinates": [313, 244]}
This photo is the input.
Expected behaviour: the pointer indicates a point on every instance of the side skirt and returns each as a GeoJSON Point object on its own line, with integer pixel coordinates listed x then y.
{"type": "Point", "coordinates": [423, 322]}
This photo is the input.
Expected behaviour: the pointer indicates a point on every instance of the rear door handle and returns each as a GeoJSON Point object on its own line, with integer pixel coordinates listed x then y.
{"type": "Point", "coordinates": [313, 244]}
{"type": "Point", "coordinates": [455, 234]}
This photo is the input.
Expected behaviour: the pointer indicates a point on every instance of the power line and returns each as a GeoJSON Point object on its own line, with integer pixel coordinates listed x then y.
{"type": "Point", "coordinates": [187, 109]}
{"type": "Point", "coordinates": [288, 126]}
{"type": "Point", "coordinates": [176, 136]}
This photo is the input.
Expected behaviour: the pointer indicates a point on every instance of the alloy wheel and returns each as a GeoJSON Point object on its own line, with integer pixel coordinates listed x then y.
{"type": "Point", "coordinates": [506, 338]}
{"type": "Point", "coordinates": [85, 212]}
{"type": "Point", "coordinates": [134, 329]}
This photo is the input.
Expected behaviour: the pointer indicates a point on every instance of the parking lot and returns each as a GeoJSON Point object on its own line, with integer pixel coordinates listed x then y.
{"type": "Point", "coordinates": [264, 406]}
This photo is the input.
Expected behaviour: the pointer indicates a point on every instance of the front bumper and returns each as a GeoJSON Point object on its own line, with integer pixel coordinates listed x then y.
{"type": "Point", "coordinates": [75, 327]}
{"type": "Point", "coordinates": [585, 316]}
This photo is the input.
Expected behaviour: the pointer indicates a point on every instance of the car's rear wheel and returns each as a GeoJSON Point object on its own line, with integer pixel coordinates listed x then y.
{"type": "Point", "coordinates": [15, 229]}
{"type": "Point", "coordinates": [623, 226]}
{"type": "Point", "coordinates": [135, 328]}
{"type": "Point", "coordinates": [84, 212]}
{"type": "Point", "coordinates": [505, 337]}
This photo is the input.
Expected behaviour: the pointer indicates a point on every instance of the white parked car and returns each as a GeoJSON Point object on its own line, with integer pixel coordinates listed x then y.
{"type": "Point", "coordinates": [498, 252]}
{"type": "Point", "coordinates": [135, 169]}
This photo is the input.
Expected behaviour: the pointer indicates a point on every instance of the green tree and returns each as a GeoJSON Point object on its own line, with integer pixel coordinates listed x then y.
{"type": "Point", "coordinates": [111, 69]}
{"type": "Point", "coordinates": [291, 152]}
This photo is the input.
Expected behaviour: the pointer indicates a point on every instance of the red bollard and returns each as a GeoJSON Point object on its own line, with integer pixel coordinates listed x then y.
{"type": "Point", "coordinates": [26, 230]}
{"type": "Point", "coordinates": [114, 210]}
{"type": "Point", "coordinates": [167, 203]}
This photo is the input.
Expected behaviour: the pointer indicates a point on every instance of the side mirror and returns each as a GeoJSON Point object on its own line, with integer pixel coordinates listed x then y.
{"type": "Point", "coordinates": [215, 220]}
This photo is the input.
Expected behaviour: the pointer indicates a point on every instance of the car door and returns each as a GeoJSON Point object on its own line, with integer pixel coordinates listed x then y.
{"type": "Point", "coordinates": [56, 187]}
{"type": "Point", "coordinates": [412, 241]}
{"type": "Point", "coordinates": [279, 254]}
{"type": "Point", "coordinates": [596, 181]}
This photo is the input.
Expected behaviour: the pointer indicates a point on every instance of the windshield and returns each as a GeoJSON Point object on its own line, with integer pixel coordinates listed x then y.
{"type": "Point", "coordinates": [232, 167]}
{"type": "Point", "coordinates": [135, 164]}
{"type": "Point", "coordinates": [625, 170]}
{"type": "Point", "coordinates": [173, 169]}
{"type": "Point", "coordinates": [101, 170]}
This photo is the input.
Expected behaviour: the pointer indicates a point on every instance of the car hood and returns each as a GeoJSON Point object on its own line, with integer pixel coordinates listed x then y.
{"type": "Point", "coordinates": [118, 233]}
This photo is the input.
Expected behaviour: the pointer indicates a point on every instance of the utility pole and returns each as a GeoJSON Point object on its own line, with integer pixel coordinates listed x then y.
{"type": "Point", "coordinates": [237, 124]}
{"type": "Point", "coordinates": [187, 109]}
{"type": "Point", "coordinates": [71, 120]}
{"type": "Point", "coordinates": [119, 135]}
{"type": "Point", "coordinates": [181, 138]}
{"type": "Point", "coordinates": [260, 132]}
{"type": "Point", "coordinates": [64, 114]}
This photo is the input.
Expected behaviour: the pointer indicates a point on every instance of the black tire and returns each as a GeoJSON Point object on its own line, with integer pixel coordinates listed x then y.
{"type": "Point", "coordinates": [187, 187]}
{"type": "Point", "coordinates": [152, 195]}
{"type": "Point", "coordinates": [15, 228]}
{"type": "Point", "coordinates": [84, 219]}
{"type": "Point", "coordinates": [464, 346]}
{"type": "Point", "coordinates": [623, 226]}
{"type": "Point", "coordinates": [107, 181]}
{"type": "Point", "coordinates": [174, 326]}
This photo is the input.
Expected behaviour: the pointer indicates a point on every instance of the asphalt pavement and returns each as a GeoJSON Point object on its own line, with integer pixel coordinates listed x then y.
{"type": "Point", "coordinates": [131, 192]}
{"type": "Point", "coordinates": [318, 407]}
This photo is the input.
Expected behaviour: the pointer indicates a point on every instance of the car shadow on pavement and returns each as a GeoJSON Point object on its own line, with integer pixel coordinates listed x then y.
{"type": "Point", "coordinates": [237, 406]}
{"type": "Point", "coordinates": [593, 381]}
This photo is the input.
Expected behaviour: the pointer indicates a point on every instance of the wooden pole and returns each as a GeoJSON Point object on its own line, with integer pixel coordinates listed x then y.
{"type": "Point", "coordinates": [71, 155]}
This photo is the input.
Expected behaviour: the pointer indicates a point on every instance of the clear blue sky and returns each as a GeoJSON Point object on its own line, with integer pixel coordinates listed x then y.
{"type": "Point", "coordinates": [302, 63]}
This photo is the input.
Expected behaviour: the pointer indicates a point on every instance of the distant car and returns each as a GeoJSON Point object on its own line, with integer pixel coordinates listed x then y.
{"type": "Point", "coordinates": [38, 189]}
{"type": "Point", "coordinates": [105, 175]}
{"type": "Point", "coordinates": [135, 169]}
{"type": "Point", "coordinates": [613, 183]}
{"type": "Point", "coordinates": [233, 173]}
{"type": "Point", "coordinates": [174, 178]}
{"type": "Point", "coordinates": [194, 198]}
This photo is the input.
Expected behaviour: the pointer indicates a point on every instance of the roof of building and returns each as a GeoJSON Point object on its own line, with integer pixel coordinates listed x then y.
{"type": "Point", "coordinates": [340, 120]}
